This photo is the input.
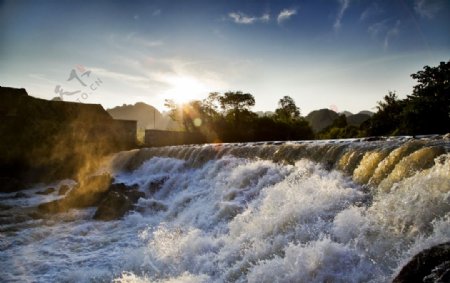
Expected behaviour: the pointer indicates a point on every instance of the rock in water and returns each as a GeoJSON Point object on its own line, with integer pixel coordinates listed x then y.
{"type": "Point", "coordinates": [90, 193]}
{"type": "Point", "coordinates": [155, 185]}
{"type": "Point", "coordinates": [63, 190]}
{"type": "Point", "coordinates": [113, 206]}
{"type": "Point", "coordinates": [46, 192]}
{"type": "Point", "coordinates": [430, 265]}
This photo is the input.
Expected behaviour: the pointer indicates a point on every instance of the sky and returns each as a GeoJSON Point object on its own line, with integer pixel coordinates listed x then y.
{"type": "Point", "coordinates": [338, 54]}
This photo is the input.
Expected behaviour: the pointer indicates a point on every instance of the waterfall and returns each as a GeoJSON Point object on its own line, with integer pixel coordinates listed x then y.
{"type": "Point", "coordinates": [313, 211]}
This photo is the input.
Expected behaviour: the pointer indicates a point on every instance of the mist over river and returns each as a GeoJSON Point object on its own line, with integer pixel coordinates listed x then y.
{"type": "Point", "coordinates": [321, 211]}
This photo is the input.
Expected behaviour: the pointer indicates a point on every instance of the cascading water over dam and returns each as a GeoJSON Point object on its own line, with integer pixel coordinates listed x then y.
{"type": "Point", "coordinates": [318, 211]}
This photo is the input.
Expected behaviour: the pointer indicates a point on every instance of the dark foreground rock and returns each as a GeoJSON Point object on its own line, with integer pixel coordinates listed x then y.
{"type": "Point", "coordinates": [155, 185]}
{"type": "Point", "coordinates": [430, 265]}
{"type": "Point", "coordinates": [63, 190]}
{"type": "Point", "coordinates": [46, 191]}
{"type": "Point", "coordinates": [89, 193]}
{"type": "Point", "coordinates": [112, 200]}
{"type": "Point", "coordinates": [119, 200]}
{"type": "Point", "coordinates": [114, 206]}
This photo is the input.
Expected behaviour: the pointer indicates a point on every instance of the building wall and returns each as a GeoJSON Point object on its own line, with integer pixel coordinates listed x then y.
{"type": "Point", "coordinates": [127, 131]}
{"type": "Point", "coordinates": [167, 138]}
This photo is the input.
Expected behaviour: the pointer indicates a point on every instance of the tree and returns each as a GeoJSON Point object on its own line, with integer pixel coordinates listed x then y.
{"type": "Point", "coordinates": [388, 119]}
{"type": "Point", "coordinates": [173, 109]}
{"type": "Point", "coordinates": [237, 106]}
{"type": "Point", "coordinates": [287, 110]}
{"type": "Point", "coordinates": [428, 107]}
{"type": "Point", "coordinates": [211, 105]}
{"type": "Point", "coordinates": [236, 101]}
{"type": "Point", "coordinates": [185, 114]}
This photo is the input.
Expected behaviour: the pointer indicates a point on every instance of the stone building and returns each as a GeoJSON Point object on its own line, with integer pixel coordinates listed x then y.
{"type": "Point", "coordinates": [41, 136]}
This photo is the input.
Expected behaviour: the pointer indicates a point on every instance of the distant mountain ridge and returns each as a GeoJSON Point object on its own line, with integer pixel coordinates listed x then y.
{"type": "Point", "coordinates": [147, 116]}
{"type": "Point", "coordinates": [322, 118]}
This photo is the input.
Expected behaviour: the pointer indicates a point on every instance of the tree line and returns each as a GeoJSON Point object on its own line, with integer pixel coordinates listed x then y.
{"type": "Point", "coordinates": [228, 117]}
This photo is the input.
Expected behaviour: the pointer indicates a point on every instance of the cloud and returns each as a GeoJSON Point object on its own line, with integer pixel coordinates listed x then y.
{"type": "Point", "coordinates": [392, 32]}
{"type": "Point", "coordinates": [138, 40]}
{"type": "Point", "coordinates": [378, 28]}
{"type": "Point", "coordinates": [133, 80]}
{"type": "Point", "coordinates": [428, 8]}
{"type": "Point", "coordinates": [384, 31]}
{"type": "Point", "coordinates": [265, 17]}
{"type": "Point", "coordinates": [344, 4]}
{"type": "Point", "coordinates": [241, 18]}
{"type": "Point", "coordinates": [157, 12]}
{"type": "Point", "coordinates": [371, 11]}
{"type": "Point", "coordinates": [285, 15]}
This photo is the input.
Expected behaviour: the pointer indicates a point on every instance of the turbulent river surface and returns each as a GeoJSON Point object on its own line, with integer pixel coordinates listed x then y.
{"type": "Point", "coordinates": [328, 211]}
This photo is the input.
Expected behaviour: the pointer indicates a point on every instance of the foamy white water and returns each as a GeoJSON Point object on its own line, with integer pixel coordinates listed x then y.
{"type": "Point", "coordinates": [227, 218]}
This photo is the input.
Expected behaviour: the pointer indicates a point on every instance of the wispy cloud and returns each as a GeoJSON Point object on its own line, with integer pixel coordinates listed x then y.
{"type": "Point", "coordinates": [428, 8]}
{"type": "Point", "coordinates": [286, 14]}
{"type": "Point", "coordinates": [343, 6]}
{"type": "Point", "coordinates": [392, 32]}
{"type": "Point", "coordinates": [134, 80]}
{"type": "Point", "coordinates": [138, 40]}
{"type": "Point", "coordinates": [43, 78]}
{"type": "Point", "coordinates": [157, 12]}
{"type": "Point", "coordinates": [241, 18]}
{"type": "Point", "coordinates": [384, 31]}
{"type": "Point", "coordinates": [378, 28]}
{"type": "Point", "coordinates": [265, 17]}
{"type": "Point", "coordinates": [371, 11]}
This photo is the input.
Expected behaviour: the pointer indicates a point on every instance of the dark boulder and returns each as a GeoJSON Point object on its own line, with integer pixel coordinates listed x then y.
{"type": "Point", "coordinates": [120, 187]}
{"type": "Point", "coordinates": [157, 206]}
{"type": "Point", "coordinates": [376, 138]}
{"type": "Point", "coordinates": [52, 207]}
{"type": "Point", "coordinates": [112, 200]}
{"type": "Point", "coordinates": [155, 185]}
{"type": "Point", "coordinates": [47, 191]}
{"type": "Point", "coordinates": [20, 195]}
{"type": "Point", "coordinates": [113, 206]}
{"type": "Point", "coordinates": [430, 265]}
{"type": "Point", "coordinates": [116, 204]}
{"type": "Point", "coordinates": [90, 192]}
{"type": "Point", "coordinates": [63, 190]}
{"type": "Point", "coordinates": [440, 274]}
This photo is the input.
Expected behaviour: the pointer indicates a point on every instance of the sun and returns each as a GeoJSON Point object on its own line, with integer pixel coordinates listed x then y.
{"type": "Point", "coordinates": [184, 89]}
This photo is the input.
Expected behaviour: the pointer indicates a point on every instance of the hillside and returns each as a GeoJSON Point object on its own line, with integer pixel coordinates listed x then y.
{"type": "Point", "coordinates": [320, 119]}
{"type": "Point", "coordinates": [144, 114]}
{"type": "Point", "coordinates": [367, 112]}
{"type": "Point", "coordinates": [357, 119]}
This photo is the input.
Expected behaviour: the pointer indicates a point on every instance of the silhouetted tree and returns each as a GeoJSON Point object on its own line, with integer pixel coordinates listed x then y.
{"type": "Point", "coordinates": [339, 129]}
{"type": "Point", "coordinates": [388, 119]}
{"type": "Point", "coordinates": [236, 101]}
{"type": "Point", "coordinates": [237, 106]}
{"type": "Point", "coordinates": [287, 110]}
{"type": "Point", "coordinates": [428, 107]}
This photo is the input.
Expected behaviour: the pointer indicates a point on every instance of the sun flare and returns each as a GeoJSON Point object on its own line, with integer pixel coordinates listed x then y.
{"type": "Point", "coordinates": [184, 89]}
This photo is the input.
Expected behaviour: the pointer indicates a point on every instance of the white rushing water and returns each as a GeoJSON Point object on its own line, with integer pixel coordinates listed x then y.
{"type": "Point", "coordinates": [236, 219]}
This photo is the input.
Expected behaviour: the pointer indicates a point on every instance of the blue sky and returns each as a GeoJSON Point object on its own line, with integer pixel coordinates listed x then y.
{"type": "Point", "coordinates": [343, 54]}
